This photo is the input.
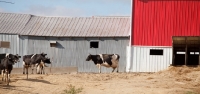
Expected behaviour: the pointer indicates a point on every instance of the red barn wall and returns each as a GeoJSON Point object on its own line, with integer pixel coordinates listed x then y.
{"type": "Point", "coordinates": [154, 22]}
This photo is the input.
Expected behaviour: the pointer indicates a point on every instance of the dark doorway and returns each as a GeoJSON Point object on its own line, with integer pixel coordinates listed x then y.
{"type": "Point", "coordinates": [186, 51]}
{"type": "Point", "coordinates": [179, 56]}
{"type": "Point", "coordinates": [193, 56]}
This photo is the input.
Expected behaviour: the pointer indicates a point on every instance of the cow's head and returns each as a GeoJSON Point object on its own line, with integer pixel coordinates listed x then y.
{"type": "Point", "coordinates": [43, 54]}
{"type": "Point", "coordinates": [47, 60]}
{"type": "Point", "coordinates": [14, 58]}
{"type": "Point", "coordinates": [89, 57]}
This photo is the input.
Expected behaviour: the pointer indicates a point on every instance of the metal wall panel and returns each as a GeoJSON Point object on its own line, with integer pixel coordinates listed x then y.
{"type": "Point", "coordinates": [73, 52]}
{"type": "Point", "coordinates": [154, 22]}
{"type": "Point", "coordinates": [14, 45]}
{"type": "Point", "coordinates": [142, 61]}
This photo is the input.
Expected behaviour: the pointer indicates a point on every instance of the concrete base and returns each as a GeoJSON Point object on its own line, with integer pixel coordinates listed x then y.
{"type": "Point", "coordinates": [54, 70]}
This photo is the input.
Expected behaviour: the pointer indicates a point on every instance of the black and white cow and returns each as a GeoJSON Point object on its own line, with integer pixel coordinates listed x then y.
{"type": "Point", "coordinates": [106, 60]}
{"type": "Point", "coordinates": [6, 65]}
{"type": "Point", "coordinates": [41, 66]}
{"type": "Point", "coordinates": [3, 55]}
{"type": "Point", "coordinates": [31, 61]}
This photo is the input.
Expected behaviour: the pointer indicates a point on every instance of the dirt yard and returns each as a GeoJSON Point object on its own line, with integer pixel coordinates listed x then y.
{"type": "Point", "coordinates": [175, 80]}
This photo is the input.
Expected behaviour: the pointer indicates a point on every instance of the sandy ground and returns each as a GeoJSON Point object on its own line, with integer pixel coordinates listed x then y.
{"type": "Point", "coordinates": [175, 80]}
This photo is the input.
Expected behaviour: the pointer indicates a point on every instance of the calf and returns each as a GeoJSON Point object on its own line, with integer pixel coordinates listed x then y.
{"type": "Point", "coordinates": [106, 60]}
{"type": "Point", "coordinates": [41, 66]}
{"type": "Point", "coordinates": [7, 66]}
{"type": "Point", "coordinates": [31, 60]}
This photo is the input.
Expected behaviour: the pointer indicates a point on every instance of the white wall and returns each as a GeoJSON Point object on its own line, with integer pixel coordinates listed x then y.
{"type": "Point", "coordinates": [142, 61]}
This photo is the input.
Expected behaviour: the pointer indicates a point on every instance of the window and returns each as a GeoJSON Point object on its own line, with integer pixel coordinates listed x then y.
{"type": "Point", "coordinates": [53, 44]}
{"type": "Point", "coordinates": [156, 52]}
{"type": "Point", "coordinates": [94, 44]}
{"type": "Point", "coordinates": [5, 44]}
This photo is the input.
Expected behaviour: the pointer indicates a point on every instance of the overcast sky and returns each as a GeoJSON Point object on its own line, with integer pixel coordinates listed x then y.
{"type": "Point", "coordinates": [77, 8]}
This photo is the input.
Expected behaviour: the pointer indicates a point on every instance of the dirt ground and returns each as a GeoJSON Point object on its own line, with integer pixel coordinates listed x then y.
{"type": "Point", "coordinates": [174, 80]}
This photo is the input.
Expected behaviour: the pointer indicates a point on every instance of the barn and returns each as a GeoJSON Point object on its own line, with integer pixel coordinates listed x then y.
{"type": "Point", "coordinates": [66, 40]}
{"type": "Point", "coordinates": [164, 33]}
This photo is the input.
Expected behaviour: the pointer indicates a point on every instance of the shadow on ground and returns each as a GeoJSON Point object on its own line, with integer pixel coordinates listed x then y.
{"type": "Point", "coordinates": [37, 80]}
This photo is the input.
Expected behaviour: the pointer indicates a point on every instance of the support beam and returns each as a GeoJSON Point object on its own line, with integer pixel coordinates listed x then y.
{"type": "Point", "coordinates": [186, 52]}
{"type": "Point", "coordinates": [199, 55]}
{"type": "Point", "coordinates": [173, 56]}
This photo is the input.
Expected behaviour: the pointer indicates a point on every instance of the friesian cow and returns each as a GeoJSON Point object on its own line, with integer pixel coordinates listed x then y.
{"type": "Point", "coordinates": [3, 55]}
{"type": "Point", "coordinates": [31, 60]}
{"type": "Point", "coordinates": [40, 67]}
{"type": "Point", "coordinates": [6, 66]}
{"type": "Point", "coordinates": [106, 60]}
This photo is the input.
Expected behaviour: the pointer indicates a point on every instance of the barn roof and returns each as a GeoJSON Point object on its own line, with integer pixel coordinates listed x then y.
{"type": "Point", "coordinates": [13, 23]}
{"type": "Point", "coordinates": [96, 26]}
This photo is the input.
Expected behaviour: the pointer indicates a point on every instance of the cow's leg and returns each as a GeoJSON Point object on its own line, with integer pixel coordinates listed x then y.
{"type": "Point", "coordinates": [24, 67]}
{"type": "Point", "coordinates": [32, 66]}
{"type": "Point", "coordinates": [8, 76]}
{"type": "Point", "coordinates": [43, 68]}
{"type": "Point", "coordinates": [113, 70]}
{"type": "Point", "coordinates": [117, 68]}
{"type": "Point", "coordinates": [99, 66]}
{"type": "Point", "coordinates": [27, 72]}
{"type": "Point", "coordinates": [2, 73]}
{"type": "Point", "coordinates": [36, 68]}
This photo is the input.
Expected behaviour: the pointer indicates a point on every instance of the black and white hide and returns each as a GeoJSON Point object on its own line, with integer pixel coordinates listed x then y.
{"type": "Point", "coordinates": [31, 61]}
{"type": "Point", "coordinates": [106, 60]}
{"type": "Point", "coordinates": [6, 66]}
{"type": "Point", "coordinates": [41, 66]}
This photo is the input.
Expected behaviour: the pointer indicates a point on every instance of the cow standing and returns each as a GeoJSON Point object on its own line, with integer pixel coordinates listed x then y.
{"type": "Point", "coordinates": [41, 66]}
{"type": "Point", "coordinates": [31, 60]}
{"type": "Point", "coordinates": [6, 65]}
{"type": "Point", "coordinates": [106, 60]}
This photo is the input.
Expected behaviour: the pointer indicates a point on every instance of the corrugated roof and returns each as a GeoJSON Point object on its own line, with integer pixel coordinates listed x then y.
{"type": "Point", "coordinates": [13, 23]}
{"type": "Point", "coordinates": [23, 24]}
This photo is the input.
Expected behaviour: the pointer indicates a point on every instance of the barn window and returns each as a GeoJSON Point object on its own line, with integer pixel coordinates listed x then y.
{"type": "Point", "coordinates": [53, 44]}
{"type": "Point", "coordinates": [5, 44]}
{"type": "Point", "coordinates": [156, 51]}
{"type": "Point", "coordinates": [94, 44]}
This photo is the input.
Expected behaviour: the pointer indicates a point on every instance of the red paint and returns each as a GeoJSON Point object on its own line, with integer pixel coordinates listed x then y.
{"type": "Point", "coordinates": [154, 22]}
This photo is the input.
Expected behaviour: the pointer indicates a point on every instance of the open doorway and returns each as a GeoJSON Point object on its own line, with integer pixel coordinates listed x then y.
{"type": "Point", "coordinates": [186, 51]}
{"type": "Point", "coordinates": [193, 56]}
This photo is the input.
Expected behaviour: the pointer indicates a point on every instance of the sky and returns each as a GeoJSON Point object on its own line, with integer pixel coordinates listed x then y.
{"type": "Point", "coordinates": [69, 8]}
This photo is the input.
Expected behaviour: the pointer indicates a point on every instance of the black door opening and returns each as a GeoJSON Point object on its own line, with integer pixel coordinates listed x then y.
{"type": "Point", "coordinates": [186, 51]}
{"type": "Point", "coordinates": [179, 56]}
{"type": "Point", "coordinates": [193, 56]}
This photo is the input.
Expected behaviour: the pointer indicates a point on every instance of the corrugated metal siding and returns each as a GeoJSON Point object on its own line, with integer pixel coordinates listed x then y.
{"type": "Point", "coordinates": [13, 23]}
{"type": "Point", "coordinates": [14, 45]}
{"type": "Point", "coordinates": [73, 52]}
{"type": "Point", "coordinates": [156, 21]}
{"type": "Point", "coordinates": [78, 26]}
{"type": "Point", "coordinates": [142, 61]}
{"type": "Point", "coordinates": [69, 52]}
